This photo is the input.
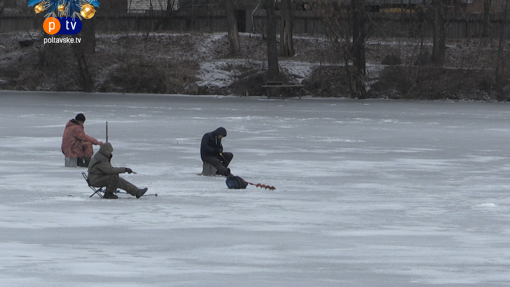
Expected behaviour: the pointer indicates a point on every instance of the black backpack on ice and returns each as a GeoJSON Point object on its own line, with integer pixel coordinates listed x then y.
{"type": "Point", "coordinates": [235, 182]}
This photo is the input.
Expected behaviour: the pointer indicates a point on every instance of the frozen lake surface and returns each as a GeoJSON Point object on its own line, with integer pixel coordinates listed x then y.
{"type": "Point", "coordinates": [368, 193]}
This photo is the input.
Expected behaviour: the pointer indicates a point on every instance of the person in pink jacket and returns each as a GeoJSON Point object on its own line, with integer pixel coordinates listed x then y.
{"type": "Point", "coordinates": [77, 144]}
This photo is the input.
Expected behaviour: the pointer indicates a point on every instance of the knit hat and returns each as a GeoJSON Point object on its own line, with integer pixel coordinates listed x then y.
{"type": "Point", "coordinates": [80, 117]}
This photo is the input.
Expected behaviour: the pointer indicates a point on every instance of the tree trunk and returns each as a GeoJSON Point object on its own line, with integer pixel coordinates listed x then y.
{"type": "Point", "coordinates": [88, 36]}
{"type": "Point", "coordinates": [170, 7]}
{"type": "Point", "coordinates": [439, 33]}
{"type": "Point", "coordinates": [86, 78]}
{"type": "Point", "coordinates": [286, 42]}
{"type": "Point", "coordinates": [87, 45]}
{"type": "Point", "coordinates": [233, 33]}
{"type": "Point", "coordinates": [359, 36]}
{"type": "Point", "coordinates": [2, 5]}
{"type": "Point", "coordinates": [486, 18]}
{"type": "Point", "coordinates": [272, 50]}
{"type": "Point", "coordinates": [500, 66]}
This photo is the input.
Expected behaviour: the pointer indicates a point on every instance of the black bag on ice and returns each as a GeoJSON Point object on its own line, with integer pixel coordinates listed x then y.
{"type": "Point", "coordinates": [235, 182]}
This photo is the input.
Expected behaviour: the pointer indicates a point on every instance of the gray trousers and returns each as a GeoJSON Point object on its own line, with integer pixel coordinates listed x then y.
{"type": "Point", "coordinates": [113, 182]}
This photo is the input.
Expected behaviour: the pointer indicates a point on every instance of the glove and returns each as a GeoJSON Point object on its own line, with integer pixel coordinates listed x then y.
{"type": "Point", "coordinates": [128, 170]}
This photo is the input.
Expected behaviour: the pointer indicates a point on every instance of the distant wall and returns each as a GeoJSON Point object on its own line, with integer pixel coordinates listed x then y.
{"type": "Point", "coordinates": [305, 22]}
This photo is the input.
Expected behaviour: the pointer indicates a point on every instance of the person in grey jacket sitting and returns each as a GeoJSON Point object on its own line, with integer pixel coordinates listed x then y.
{"type": "Point", "coordinates": [102, 173]}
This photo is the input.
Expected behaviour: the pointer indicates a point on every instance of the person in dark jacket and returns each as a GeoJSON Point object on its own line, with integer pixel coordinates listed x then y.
{"type": "Point", "coordinates": [102, 173]}
{"type": "Point", "coordinates": [211, 151]}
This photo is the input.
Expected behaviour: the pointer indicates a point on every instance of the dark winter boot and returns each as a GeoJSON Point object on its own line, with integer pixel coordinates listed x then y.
{"type": "Point", "coordinates": [141, 192]}
{"type": "Point", "coordinates": [87, 161]}
{"type": "Point", "coordinates": [110, 195]}
{"type": "Point", "coordinates": [225, 172]}
{"type": "Point", "coordinates": [81, 162]}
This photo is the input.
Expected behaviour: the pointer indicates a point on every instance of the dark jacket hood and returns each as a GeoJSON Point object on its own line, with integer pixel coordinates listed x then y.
{"type": "Point", "coordinates": [221, 131]}
{"type": "Point", "coordinates": [106, 149]}
{"type": "Point", "coordinates": [102, 156]}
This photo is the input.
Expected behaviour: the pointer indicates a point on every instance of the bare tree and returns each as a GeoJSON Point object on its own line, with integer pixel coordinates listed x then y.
{"type": "Point", "coordinates": [500, 66]}
{"type": "Point", "coordinates": [360, 33]}
{"type": "Point", "coordinates": [486, 18]}
{"type": "Point", "coordinates": [171, 10]}
{"type": "Point", "coordinates": [439, 32]}
{"type": "Point", "coordinates": [88, 35]}
{"type": "Point", "coordinates": [86, 78]}
{"type": "Point", "coordinates": [286, 41]}
{"type": "Point", "coordinates": [233, 33]}
{"type": "Point", "coordinates": [86, 46]}
{"type": "Point", "coordinates": [2, 5]}
{"type": "Point", "coordinates": [259, 3]}
{"type": "Point", "coordinates": [169, 13]}
{"type": "Point", "coordinates": [348, 30]}
{"type": "Point", "coordinates": [272, 51]}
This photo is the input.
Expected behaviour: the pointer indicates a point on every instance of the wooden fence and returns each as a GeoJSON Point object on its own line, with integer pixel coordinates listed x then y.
{"type": "Point", "coordinates": [305, 23]}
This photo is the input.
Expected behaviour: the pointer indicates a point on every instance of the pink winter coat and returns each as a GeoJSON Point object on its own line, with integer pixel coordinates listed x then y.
{"type": "Point", "coordinates": [75, 143]}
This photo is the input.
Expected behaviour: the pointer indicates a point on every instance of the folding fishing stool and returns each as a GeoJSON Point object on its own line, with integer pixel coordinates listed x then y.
{"type": "Point", "coordinates": [99, 191]}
